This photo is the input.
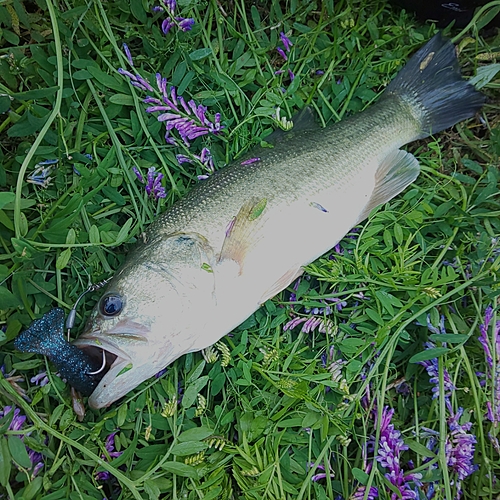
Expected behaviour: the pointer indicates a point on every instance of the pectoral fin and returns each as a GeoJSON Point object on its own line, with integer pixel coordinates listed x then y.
{"type": "Point", "coordinates": [398, 170]}
{"type": "Point", "coordinates": [242, 231]}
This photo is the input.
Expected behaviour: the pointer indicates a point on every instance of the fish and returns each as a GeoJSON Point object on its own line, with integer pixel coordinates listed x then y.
{"type": "Point", "coordinates": [46, 336]}
{"type": "Point", "coordinates": [246, 233]}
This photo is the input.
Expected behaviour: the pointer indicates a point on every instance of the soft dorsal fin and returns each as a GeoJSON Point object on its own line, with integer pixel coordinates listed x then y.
{"type": "Point", "coordinates": [303, 120]}
{"type": "Point", "coordinates": [398, 170]}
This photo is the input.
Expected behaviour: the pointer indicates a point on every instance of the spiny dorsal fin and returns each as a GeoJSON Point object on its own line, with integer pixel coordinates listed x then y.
{"type": "Point", "coordinates": [395, 173]}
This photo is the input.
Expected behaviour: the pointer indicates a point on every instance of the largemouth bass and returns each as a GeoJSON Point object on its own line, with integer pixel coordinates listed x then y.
{"type": "Point", "coordinates": [232, 243]}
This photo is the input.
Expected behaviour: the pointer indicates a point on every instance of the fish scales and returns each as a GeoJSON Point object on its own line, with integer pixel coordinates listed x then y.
{"type": "Point", "coordinates": [245, 233]}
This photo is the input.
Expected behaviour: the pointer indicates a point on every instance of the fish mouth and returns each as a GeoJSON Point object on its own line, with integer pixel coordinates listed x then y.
{"type": "Point", "coordinates": [114, 353]}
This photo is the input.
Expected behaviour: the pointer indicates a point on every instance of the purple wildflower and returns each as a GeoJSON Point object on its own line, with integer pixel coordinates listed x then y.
{"type": "Point", "coordinates": [109, 446]}
{"type": "Point", "coordinates": [291, 74]}
{"type": "Point", "coordinates": [128, 54]}
{"type": "Point", "coordinates": [205, 158]}
{"type": "Point", "coordinates": [40, 379]}
{"type": "Point", "coordinates": [183, 23]}
{"type": "Point", "coordinates": [484, 339]}
{"type": "Point", "coordinates": [286, 41]}
{"type": "Point", "coordinates": [432, 369]}
{"type": "Point", "coordinates": [136, 80]}
{"type": "Point", "coordinates": [16, 424]}
{"type": "Point", "coordinates": [320, 475]}
{"type": "Point", "coordinates": [138, 174]}
{"type": "Point", "coordinates": [250, 161]}
{"type": "Point", "coordinates": [154, 188]}
{"type": "Point", "coordinates": [391, 446]}
{"type": "Point", "coordinates": [281, 52]}
{"type": "Point", "coordinates": [460, 447]}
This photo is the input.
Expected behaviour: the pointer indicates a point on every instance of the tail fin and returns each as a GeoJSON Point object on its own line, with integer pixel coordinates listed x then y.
{"type": "Point", "coordinates": [44, 335]}
{"type": "Point", "coordinates": [432, 84]}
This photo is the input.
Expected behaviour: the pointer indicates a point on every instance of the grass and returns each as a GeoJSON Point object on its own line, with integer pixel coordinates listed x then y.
{"type": "Point", "coordinates": [265, 409]}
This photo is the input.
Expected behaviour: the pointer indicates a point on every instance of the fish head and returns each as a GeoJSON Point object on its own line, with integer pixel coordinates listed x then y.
{"type": "Point", "coordinates": [153, 311]}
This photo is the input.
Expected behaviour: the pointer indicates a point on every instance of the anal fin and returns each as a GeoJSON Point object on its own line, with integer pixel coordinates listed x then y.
{"type": "Point", "coordinates": [282, 283]}
{"type": "Point", "coordinates": [398, 170]}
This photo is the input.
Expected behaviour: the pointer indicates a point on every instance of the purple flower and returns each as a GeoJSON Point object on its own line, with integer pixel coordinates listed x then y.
{"type": "Point", "coordinates": [109, 446]}
{"type": "Point", "coordinates": [16, 424]}
{"type": "Point", "coordinates": [281, 52]}
{"type": "Point", "coordinates": [321, 475]}
{"type": "Point", "coordinates": [432, 368]}
{"type": "Point", "coordinates": [185, 23]}
{"type": "Point", "coordinates": [291, 74]}
{"type": "Point", "coordinates": [250, 161]}
{"type": "Point", "coordinates": [136, 80]}
{"type": "Point", "coordinates": [484, 339]}
{"type": "Point", "coordinates": [205, 158]}
{"type": "Point", "coordinates": [360, 494]}
{"type": "Point", "coordinates": [18, 420]}
{"type": "Point", "coordinates": [41, 379]}
{"type": "Point", "coordinates": [138, 174]}
{"type": "Point", "coordinates": [286, 41]}
{"type": "Point", "coordinates": [128, 54]}
{"type": "Point", "coordinates": [154, 188]}
{"type": "Point", "coordinates": [460, 447]}
{"type": "Point", "coordinates": [391, 446]}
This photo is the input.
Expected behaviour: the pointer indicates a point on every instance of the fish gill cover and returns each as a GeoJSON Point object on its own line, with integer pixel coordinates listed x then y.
{"type": "Point", "coordinates": [373, 374]}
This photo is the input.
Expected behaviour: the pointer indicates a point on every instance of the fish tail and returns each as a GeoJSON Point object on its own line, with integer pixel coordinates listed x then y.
{"type": "Point", "coordinates": [41, 337]}
{"type": "Point", "coordinates": [431, 83]}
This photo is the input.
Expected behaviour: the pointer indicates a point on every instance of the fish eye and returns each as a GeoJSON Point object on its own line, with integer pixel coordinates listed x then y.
{"type": "Point", "coordinates": [111, 304]}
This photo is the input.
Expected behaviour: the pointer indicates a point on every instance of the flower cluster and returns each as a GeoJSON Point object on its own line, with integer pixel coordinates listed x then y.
{"type": "Point", "coordinates": [153, 187]}
{"type": "Point", "coordinates": [391, 446]}
{"type": "Point", "coordinates": [460, 443]}
{"type": "Point", "coordinates": [41, 175]}
{"type": "Point", "coordinates": [491, 348]}
{"type": "Point", "coordinates": [109, 445]}
{"type": "Point", "coordinates": [16, 424]}
{"type": "Point", "coordinates": [183, 23]}
{"type": "Point", "coordinates": [188, 118]}
{"type": "Point", "coordinates": [205, 158]}
{"type": "Point", "coordinates": [287, 44]}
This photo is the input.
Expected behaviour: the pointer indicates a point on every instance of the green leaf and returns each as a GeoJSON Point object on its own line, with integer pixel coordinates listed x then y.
{"type": "Point", "coordinates": [18, 452]}
{"type": "Point", "coordinates": [35, 94]}
{"type": "Point", "coordinates": [195, 434]}
{"type": "Point", "coordinates": [192, 391]}
{"type": "Point", "coordinates": [452, 338]}
{"type": "Point", "coordinates": [94, 235]}
{"type": "Point", "coordinates": [4, 103]}
{"type": "Point", "coordinates": [8, 299]}
{"type": "Point", "coordinates": [122, 99]}
{"type": "Point", "coordinates": [63, 259]}
{"type": "Point", "coordinates": [188, 448]}
{"type": "Point", "coordinates": [138, 11]}
{"type": "Point", "coordinates": [360, 475]}
{"type": "Point", "coordinates": [429, 354]}
{"type": "Point", "coordinates": [123, 234]}
{"type": "Point", "coordinates": [419, 448]}
{"type": "Point", "coordinates": [5, 462]}
{"type": "Point", "coordinates": [198, 54]}
{"type": "Point", "coordinates": [180, 469]}
{"type": "Point", "coordinates": [33, 488]}
{"type": "Point", "coordinates": [71, 237]}
{"type": "Point", "coordinates": [108, 81]}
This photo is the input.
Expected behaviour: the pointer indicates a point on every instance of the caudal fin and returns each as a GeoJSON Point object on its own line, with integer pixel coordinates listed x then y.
{"type": "Point", "coordinates": [431, 83]}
